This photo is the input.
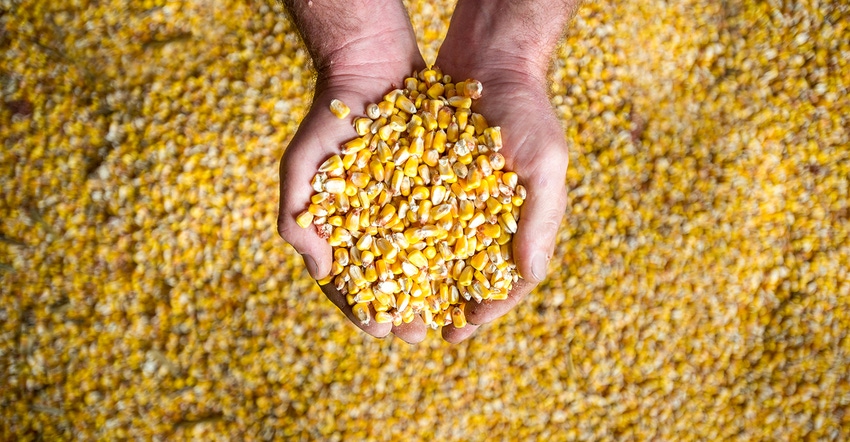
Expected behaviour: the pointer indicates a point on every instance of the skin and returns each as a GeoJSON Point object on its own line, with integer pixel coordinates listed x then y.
{"type": "Point", "coordinates": [507, 45]}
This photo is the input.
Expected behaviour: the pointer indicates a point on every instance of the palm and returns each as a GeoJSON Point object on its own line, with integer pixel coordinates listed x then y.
{"type": "Point", "coordinates": [319, 137]}
{"type": "Point", "coordinates": [536, 149]}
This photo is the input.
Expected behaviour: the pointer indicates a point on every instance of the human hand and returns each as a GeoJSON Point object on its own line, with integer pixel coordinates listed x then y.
{"type": "Point", "coordinates": [356, 72]}
{"type": "Point", "coordinates": [515, 98]}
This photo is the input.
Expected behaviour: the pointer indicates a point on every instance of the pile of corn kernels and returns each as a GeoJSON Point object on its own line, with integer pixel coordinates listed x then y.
{"type": "Point", "coordinates": [699, 289]}
{"type": "Point", "coordinates": [418, 209]}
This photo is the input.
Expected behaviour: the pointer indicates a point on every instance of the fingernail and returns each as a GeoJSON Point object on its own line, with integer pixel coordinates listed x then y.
{"type": "Point", "coordinates": [312, 268]}
{"type": "Point", "coordinates": [538, 266]}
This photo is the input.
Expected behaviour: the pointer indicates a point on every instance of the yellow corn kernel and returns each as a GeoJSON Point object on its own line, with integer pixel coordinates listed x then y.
{"type": "Point", "coordinates": [385, 132]}
{"type": "Point", "coordinates": [339, 236]}
{"type": "Point", "coordinates": [445, 170]}
{"type": "Point", "coordinates": [492, 231]}
{"type": "Point", "coordinates": [402, 301]}
{"type": "Point", "coordinates": [418, 259]}
{"type": "Point", "coordinates": [396, 181]}
{"type": "Point", "coordinates": [472, 245]}
{"type": "Point", "coordinates": [341, 256]}
{"type": "Point", "coordinates": [460, 102]}
{"type": "Point", "coordinates": [356, 276]}
{"type": "Point", "coordinates": [430, 252]}
{"type": "Point", "coordinates": [405, 185]}
{"type": "Point", "coordinates": [355, 145]}
{"type": "Point", "coordinates": [365, 295]}
{"type": "Point", "coordinates": [439, 142]}
{"type": "Point", "coordinates": [479, 260]}
{"type": "Point", "coordinates": [339, 108]}
{"type": "Point", "coordinates": [444, 117]}
{"type": "Point", "coordinates": [407, 316]}
{"type": "Point", "coordinates": [411, 166]}
{"type": "Point", "coordinates": [476, 220]}
{"type": "Point", "coordinates": [362, 125]}
{"type": "Point", "coordinates": [386, 108]}
{"type": "Point", "coordinates": [440, 212]}
{"type": "Point", "coordinates": [365, 203]}
{"type": "Point", "coordinates": [462, 117]}
{"type": "Point", "coordinates": [368, 259]}
{"type": "Point", "coordinates": [383, 317]}
{"type": "Point", "coordinates": [452, 132]}
{"type": "Point", "coordinates": [336, 268]}
{"type": "Point", "coordinates": [435, 91]}
{"type": "Point", "coordinates": [404, 103]}
{"type": "Point", "coordinates": [397, 124]}
{"type": "Point", "coordinates": [493, 138]}
{"type": "Point", "coordinates": [498, 294]}
{"type": "Point", "coordinates": [493, 206]}
{"type": "Point", "coordinates": [364, 243]}
{"type": "Point", "coordinates": [304, 219]}
{"type": "Point", "coordinates": [445, 250]}
{"type": "Point", "coordinates": [458, 317]}
{"type": "Point", "coordinates": [352, 221]}
{"type": "Point", "coordinates": [386, 250]}
{"type": "Point", "coordinates": [362, 313]}
{"type": "Point", "coordinates": [465, 277]}
{"type": "Point", "coordinates": [510, 222]}
{"type": "Point", "coordinates": [334, 186]}
{"type": "Point", "coordinates": [430, 76]}
{"type": "Point", "coordinates": [510, 179]}
{"type": "Point", "coordinates": [497, 160]}
{"type": "Point", "coordinates": [359, 179]}
{"type": "Point", "coordinates": [466, 210]}
{"type": "Point", "coordinates": [383, 153]}
{"type": "Point", "coordinates": [454, 295]}
{"type": "Point", "coordinates": [450, 89]}
{"type": "Point", "coordinates": [386, 214]}
{"type": "Point", "coordinates": [320, 198]}
{"type": "Point", "coordinates": [484, 164]}
{"type": "Point", "coordinates": [408, 268]}
{"type": "Point", "coordinates": [424, 212]}
{"type": "Point", "coordinates": [383, 270]}
{"type": "Point", "coordinates": [460, 246]}
{"type": "Point", "coordinates": [428, 317]}
{"type": "Point", "coordinates": [336, 220]}
{"type": "Point", "coordinates": [478, 122]}
{"type": "Point", "coordinates": [376, 169]}
{"type": "Point", "coordinates": [332, 165]}
{"type": "Point", "coordinates": [494, 252]}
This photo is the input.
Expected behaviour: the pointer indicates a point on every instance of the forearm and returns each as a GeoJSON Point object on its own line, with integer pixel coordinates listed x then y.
{"type": "Point", "coordinates": [523, 33]}
{"type": "Point", "coordinates": [351, 36]}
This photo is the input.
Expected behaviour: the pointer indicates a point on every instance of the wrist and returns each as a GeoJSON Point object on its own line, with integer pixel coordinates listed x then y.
{"type": "Point", "coordinates": [389, 54]}
{"type": "Point", "coordinates": [517, 37]}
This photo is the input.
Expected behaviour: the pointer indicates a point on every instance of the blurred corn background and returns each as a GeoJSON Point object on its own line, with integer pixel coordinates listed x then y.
{"type": "Point", "coordinates": [699, 291]}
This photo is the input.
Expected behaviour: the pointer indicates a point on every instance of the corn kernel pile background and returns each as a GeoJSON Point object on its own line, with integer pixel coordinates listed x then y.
{"type": "Point", "coordinates": [699, 290]}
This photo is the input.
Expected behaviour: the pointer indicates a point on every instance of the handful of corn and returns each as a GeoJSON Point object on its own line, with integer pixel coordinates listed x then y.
{"type": "Point", "coordinates": [417, 207]}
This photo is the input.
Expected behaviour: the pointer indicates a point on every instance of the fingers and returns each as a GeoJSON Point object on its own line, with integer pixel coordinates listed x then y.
{"type": "Point", "coordinates": [540, 219]}
{"type": "Point", "coordinates": [488, 311]}
{"type": "Point", "coordinates": [455, 335]}
{"type": "Point", "coordinates": [300, 161]}
{"type": "Point", "coordinates": [412, 332]}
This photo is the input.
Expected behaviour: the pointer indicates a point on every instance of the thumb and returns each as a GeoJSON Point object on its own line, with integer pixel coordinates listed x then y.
{"type": "Point", "coordinates": [295, 191]}
{"type": "Point", "coordinates": [540, 219]}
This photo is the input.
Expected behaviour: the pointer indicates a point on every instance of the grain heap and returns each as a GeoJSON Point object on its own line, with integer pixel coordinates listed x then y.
{"type": "Point", "coordinates": [418, 209]}
{"type": "Point", "coordinates": [700, 286]}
